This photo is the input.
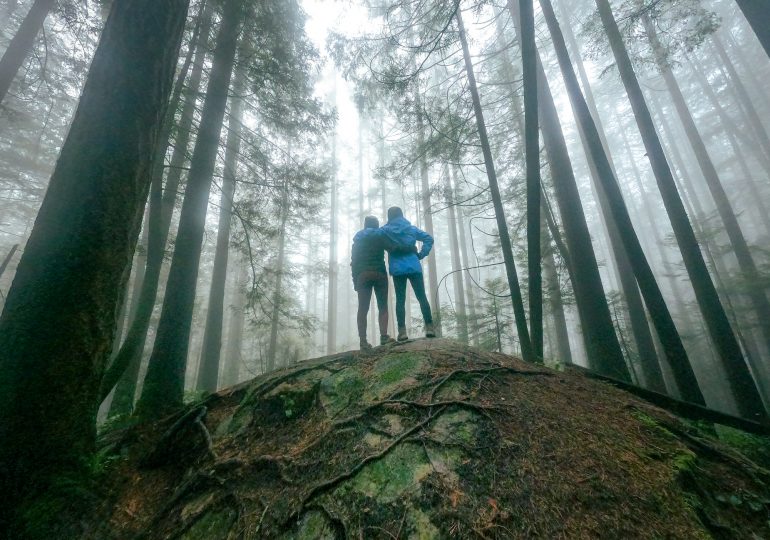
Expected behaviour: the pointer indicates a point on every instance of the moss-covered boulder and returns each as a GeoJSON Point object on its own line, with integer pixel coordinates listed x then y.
{"type": "Point", "coordinates": [430, 439]}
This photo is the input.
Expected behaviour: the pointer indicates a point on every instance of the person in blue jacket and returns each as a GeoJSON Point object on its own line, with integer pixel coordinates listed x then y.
{"type": "Point", "coordinates": [406, 266]}
{"type": "Point", "coordinates": [367, 265]}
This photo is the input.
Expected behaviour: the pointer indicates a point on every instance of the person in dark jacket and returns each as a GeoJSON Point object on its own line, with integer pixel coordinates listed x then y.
{"type": "Point", "coordinates": [367, 264]}
{"type": "Point", "coordinates": [406, 265]}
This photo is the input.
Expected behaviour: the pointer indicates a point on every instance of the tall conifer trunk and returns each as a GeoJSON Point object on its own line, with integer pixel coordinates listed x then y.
{"type": "Point", "coordinates": [21, 44]}
{"type": "Point", "coordinates": [164, 384]}
{"type": "Point", "coordinates": [127, 361]}
{"type": "Point", "coordinates": [713, 312]}
{"type": "Point", "coordinates": [208, 372]}
{"type": "Point", "coordinates": [661, 317]}
{"type": "Point", "coordinates": [602, 346]}
{"type": "Point", "coordinates": [58, 322]}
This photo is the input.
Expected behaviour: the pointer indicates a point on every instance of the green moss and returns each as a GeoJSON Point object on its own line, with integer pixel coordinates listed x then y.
{"type": "Point", "coordinates": [337, 391]}
{"type": "Point", "coordinates": [754, 447]}
{"type": "Point", "coordinates": [684, 462]}
{"type": "Point", "coordinates": [313, 525]}
{"type": "Point", "coordinates": [213, 525]}
{"type": "Point", "coordinates": [387, 479]}
{"type": "Point", "coordinates": [458, 426]}
{"type": "Point", "coordinates": [421, 526]}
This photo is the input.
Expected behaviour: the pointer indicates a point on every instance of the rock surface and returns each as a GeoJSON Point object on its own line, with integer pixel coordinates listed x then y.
{"type": "Point", "coordinates": [427, 439]}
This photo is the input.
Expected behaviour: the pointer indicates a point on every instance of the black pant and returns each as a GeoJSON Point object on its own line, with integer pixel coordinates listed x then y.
{"type": "Point", "coordinates": [418, 286]}
{"type": "Point", "coordinates": [364, 284]}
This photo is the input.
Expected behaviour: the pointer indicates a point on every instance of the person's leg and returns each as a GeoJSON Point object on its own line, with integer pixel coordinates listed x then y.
{"type": "Point", "coordinates": [418, 286]}
{"type": "Point", "coordinates": [399, 285]}
{"type": "Point", "coordinates": [364, 299]}
{"type": "Point", "coordinates": [381, 292]}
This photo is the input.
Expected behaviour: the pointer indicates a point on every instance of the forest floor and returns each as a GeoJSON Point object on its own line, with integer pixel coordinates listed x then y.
{"type": "Point", "coordinates": [428, 439]}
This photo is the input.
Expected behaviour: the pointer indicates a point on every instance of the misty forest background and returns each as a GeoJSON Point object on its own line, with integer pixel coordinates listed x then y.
{"type": "Point", "coordinates": [603, 203]}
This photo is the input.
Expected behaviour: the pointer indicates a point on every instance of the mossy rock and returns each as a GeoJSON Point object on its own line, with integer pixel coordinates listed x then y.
{"type": "Point", "coordinates": [432, 439]}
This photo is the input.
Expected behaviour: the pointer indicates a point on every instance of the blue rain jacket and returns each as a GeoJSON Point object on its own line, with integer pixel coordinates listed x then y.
{"type": "Point", "coordinates": [404, 233]}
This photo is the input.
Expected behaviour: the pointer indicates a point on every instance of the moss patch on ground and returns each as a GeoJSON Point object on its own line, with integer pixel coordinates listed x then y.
{"type": "Point", "coordinates": [432, 439]}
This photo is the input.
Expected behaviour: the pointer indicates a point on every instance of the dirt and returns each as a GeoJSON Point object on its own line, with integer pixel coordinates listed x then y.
{"type": "Point", "coordinates": [427, 439]}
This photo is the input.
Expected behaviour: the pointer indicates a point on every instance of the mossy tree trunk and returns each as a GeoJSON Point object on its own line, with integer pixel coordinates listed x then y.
{"type": "Point", "coordinates": [59, 320]}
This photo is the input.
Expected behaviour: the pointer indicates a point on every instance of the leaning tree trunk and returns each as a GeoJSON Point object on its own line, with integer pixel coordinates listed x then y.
{"type": "Point", "coordinates": [609, 189]}
{"type": "Point", "coordinates": [738, 242]}
{"type": "Point", "coordinates": [57, 326]}
{"type": "Point", "coordinates": [21, 44]}
{"type": "Point", "coordinates": [602, 346]}
{"type": "Point", "coordinates": [757, 12]}
{"type": "Point", "coordinates": [164, 384]}
{"type": "Point", "coordinates": [125, 366]}
{"type": "Point", "coordinates": [711, 308]}
{"type": "Point", "coordinates": [532, 158]}
{"type": "Point", "coordinates": [208, 371]}
{"type": "Point", "coordinates": [502, 226]}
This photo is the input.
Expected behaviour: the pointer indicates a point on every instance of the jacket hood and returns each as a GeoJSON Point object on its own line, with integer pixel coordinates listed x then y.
{"type": "Point", "coordinates": [363, 233]}
{"type": "Point", "coordinates": [399, 224]}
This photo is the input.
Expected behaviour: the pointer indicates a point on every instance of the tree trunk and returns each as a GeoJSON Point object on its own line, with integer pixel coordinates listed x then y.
{"type": "Point", "coordinates": [233, 358]}
{"type": "Point", "coordinates": [502, 226]}
{"type": "Point", "coordinates": [757, 12]}
{"type": "Point", "coordinates": [432, 286]}
{"type": "Point", "coordinates": [57, 327]}
{"type": "Point", "coordinates": [755, 195]}
{"type": "Point", "coordinates": [746, 104]}
{"type": "Point", "coordinates": [208, 372]}
{"type": "Point", "coordinates": [278, 293]}
{"type": "Point", "coordinates": [740, 246]}
{"type": "Point", "coordinates": [532, 158]}
{"type": "Point", "coordinates": [331, 307]}
{"type": "Point", "coordinates": [602, 346]}
{"type": "Point", "coordinates": [8, 258]}
{"type": "Point", "coordinates": [557, 307]}
{"type": "Point", "coordinates": [609, 190]}
{"type": "Point", "coordinates": [466, 263]}
{"type": "Point", "coordinates": [126, 363]}
{"type": "Point", "coordinates": [164, 384]}
{"type": "Point", "coordinates": [21, 44]}
{"type": "Point", "coordinates": [457, 269]}
{"type": "Point", "coordinates": [713, 312]}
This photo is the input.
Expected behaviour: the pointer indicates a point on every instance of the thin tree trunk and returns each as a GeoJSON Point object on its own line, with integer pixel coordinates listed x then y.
{"type": "Point", "coordinates": [602, 346]}
{"type": "Point", "coordinates": [724, 339]}
{"type": "Point", "coordinates": [208, 372]}
{"type": "Point", "coordinates": [457, 269]}
{"type": "Point", "coordinates": [428, 221]}
{"type": "Point", "coordinates": [502, 226]}
{"type": "Point", "coordinates": [21, 44]}
{"type": "Point", "coordinates": [8, 258]}
{"type": "Point", "coordinates": [233, 358]}
{"type": "Point", "coordinates": [278, 293]}
{"type": "Point", "coordinates": [331, 306]}
{"type": "Point", "coordinates": [757, 12]}
{"type": "Point", "coordinates": [466, 263]}
{"type": "Point", "coordinates": [59, 320]}
{"type": "Point", "coordinates": [556, 304]}
{"type": "Point", "coordinates": [532, 158]}
{"type": "Point", "coordinates": [740, 246]}
{"type": "Point", "coordinates": [756, 196]}
{"type": "Point", "coordinates": [126, 363]}
{"type": "Point", "coordinates": [164, 384]}
{"type": "Point", "coordinates": [752, 117]}
{"type": "Point", "coordinates": [609, 189]}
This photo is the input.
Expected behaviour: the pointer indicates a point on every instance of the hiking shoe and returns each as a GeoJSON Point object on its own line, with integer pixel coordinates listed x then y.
{"type": "Point", "coordinates": [430, 330]}
{"type": "Point", "coordinates": [386, 339]}
{"type": "Point", "coordinates": [402, 334]}
{"type": "Point", "coordinates": [365, 345]}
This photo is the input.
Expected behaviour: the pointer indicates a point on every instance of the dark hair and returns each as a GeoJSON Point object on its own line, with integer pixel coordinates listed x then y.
{"type": "Point", "coordinates": [371, 222]}
{"type": "Point", "coordinates": [395, 212]}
